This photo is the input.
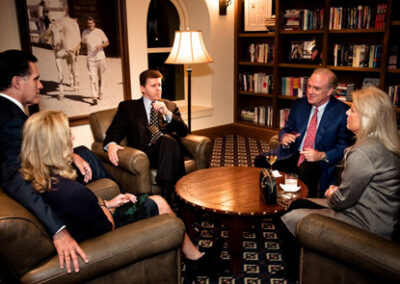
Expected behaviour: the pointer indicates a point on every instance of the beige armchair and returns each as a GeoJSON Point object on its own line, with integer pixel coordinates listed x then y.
{"type": "Point", "coordinates": [134, 165]}
{"type": "Point", "coordinates": [127, 255]}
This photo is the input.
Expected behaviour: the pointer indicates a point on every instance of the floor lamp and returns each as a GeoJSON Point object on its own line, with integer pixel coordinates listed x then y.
{"type": "Point", "coordinates": [188, 48]}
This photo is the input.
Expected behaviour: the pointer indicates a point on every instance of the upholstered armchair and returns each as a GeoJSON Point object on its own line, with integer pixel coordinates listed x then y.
{"type": "Point", "coordinates": [336, 252]}
{"type": "Point", "coordinates": [134, 165]}
{"type": "Point", "coordinates": [127, 255]}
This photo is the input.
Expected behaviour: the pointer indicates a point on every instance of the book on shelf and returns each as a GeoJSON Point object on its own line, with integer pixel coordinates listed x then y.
{"type": "Point", "coordinates": [259, 52]}
{"type": "Point", "coordinates": [283, 116]}
{"type": "Point", "coordinates": [357, 55]}
{"type": "Point", "coordinates": [294, 86]}
{"type": "Point", "coordinates": [357, 17]}
{"type": "Point", "coordinates": [303, 19]}
{"type": "Point", "coordinates": [262, 115]}
{"type": "Point", "coordinates": [344, 91]}
{"type": "Point", "coordinates": [394, 94]}
{"type": "Point", "coordinates": [394, 56]}
{"type": "Point", "coordinates": [255, 82]}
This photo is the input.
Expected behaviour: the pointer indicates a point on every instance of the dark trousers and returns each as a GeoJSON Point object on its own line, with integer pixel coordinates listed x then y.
{"type": "Point", "coordinates": [308, 172]}
{"type": "Point", "coordinates": [167, 157]}
{"type": "Point", "coordinates": [98, 169]}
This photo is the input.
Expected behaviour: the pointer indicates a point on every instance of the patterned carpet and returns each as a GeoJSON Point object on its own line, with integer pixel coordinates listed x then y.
{"type": "Point", "coordinates": [261, 258]}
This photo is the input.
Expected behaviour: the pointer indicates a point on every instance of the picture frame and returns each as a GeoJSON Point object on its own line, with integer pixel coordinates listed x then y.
{"type": "Point", "coordinates": [63, 88]}
{"type": "Point", "coordinates": [255, 13]}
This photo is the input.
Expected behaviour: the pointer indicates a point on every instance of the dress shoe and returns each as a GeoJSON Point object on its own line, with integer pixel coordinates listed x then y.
{"type": "Point", "coordinates": [205, 264]}
{"type": "Point", "coordinates": [215, 250]}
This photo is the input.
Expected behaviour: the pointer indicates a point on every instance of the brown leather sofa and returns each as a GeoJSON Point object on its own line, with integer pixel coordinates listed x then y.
{"type": "Point", "coordinates": [146, 251]}
{"type": "Point", "coordinates": [134, 165]}
{"type": "Point", "coordinates": [335, 252]}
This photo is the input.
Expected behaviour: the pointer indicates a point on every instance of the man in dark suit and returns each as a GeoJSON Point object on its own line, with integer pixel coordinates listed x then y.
{"type": "Point", "coordinates": [19, 88]}
{"type": "Point", "coordinates": [153, 126]}
{"type": "Point", "coordinates": [315, 135]}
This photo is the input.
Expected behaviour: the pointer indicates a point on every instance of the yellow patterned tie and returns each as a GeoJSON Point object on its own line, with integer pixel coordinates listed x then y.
{"type": "Point", "coordinates": [153, 127]}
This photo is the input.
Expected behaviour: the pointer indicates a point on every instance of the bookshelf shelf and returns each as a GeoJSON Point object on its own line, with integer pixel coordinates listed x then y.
{"type": "Point", "coordinates": [327, 40]}
{"type": "Point", "coordinates": [394, 71]}
{"type": "Point", "coordinates": [289, 98]}
{"type": "Point", "coordinates": [301, 32]}
{"type": "Point", "coordinates": [298, 65]}
{"type": "Point", "coordinates": [246, 63]}
{"type": "Point", "coordinates": [244, 93]}
{"type": "Point", "coordinates": [354, 69]}
{"type": "Point", "coordinates": [356, 31]}
{"type": "Point", "coordinates": [262, 35]}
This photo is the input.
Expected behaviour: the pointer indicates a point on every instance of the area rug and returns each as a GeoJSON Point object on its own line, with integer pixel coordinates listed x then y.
{"type": "Point", "coordinates": [261, 259]}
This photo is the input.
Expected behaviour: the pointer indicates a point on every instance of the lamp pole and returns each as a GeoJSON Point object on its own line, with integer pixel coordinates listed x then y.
{"type": "Point", "coordinates": [189, 71]}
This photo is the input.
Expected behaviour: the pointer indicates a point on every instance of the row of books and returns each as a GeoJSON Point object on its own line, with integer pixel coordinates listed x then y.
{"type": "Point", "coordinates": [255, 82]}
{"type": "Point", "coordinates": [283, 116]}
{"type": "Point", "coordinates": [261, 115]}
{"type": "Point", "coordinates": [344, 91]}
{"type": "Point", "coordinates": [360, 17]}
{"type": "Point", "coordinates": [294, 86]}
{"type": "Point", "coordinates": [304, 19]}
{"type": "Point", "coordinates": [260, 53]}
{"type": "Point", "coordinates": [394, 94]}
{"type": "Point", "coordinates": [357, 55]}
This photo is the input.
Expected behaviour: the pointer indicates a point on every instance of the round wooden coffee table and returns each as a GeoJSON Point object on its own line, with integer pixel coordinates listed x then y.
{"type": "Point", "coordinates": [233, 194]}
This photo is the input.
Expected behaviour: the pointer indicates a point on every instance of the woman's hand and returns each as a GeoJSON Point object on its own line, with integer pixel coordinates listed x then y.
{"type": "Point", "coordinates": [330, 191]}
{"type": "Point", "coordinates": [120, 199]}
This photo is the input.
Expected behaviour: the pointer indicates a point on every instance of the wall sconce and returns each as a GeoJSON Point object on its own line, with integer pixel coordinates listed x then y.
{"type": "Point", "coordinates": [223, 4]}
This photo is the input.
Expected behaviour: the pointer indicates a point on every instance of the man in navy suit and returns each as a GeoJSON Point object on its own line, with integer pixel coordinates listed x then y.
{"type": "Point", "coordinates": [315, 163]}
{"type": "Point", "coordinates": [19, 88]}
{"type": "Point", "coordinates": [159, 140]}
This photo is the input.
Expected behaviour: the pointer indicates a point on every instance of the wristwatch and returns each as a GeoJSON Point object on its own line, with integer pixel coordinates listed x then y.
{"type": "Point", "coordinates": [324, 157]}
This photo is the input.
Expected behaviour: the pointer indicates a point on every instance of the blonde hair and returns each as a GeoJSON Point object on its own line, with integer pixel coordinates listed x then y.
{"type": "Point", "coordinates": [378, 118]}
{"type": "Point", "coordinates": [46, 149]}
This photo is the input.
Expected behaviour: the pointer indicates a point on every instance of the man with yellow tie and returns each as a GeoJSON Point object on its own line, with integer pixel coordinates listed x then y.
{"type": "Point", "coordinates": [315, 135]}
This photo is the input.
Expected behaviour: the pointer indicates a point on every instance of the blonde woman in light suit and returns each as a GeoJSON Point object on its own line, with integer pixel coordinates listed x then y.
{"type": "Point", "coordinates": [368, 196]}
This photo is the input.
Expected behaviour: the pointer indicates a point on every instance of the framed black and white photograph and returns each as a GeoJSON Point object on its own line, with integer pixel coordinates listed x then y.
{"type": "Point", "coordinates": [82, 53]}
{"type": "Point", "coordinates": [255, 14]}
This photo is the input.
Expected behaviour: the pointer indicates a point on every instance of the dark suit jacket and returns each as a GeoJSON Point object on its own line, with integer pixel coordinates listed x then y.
{"type": "Point", "coordinates": [332, 136]}
{"type": "Point", "coordinates": [12, 120]}
{"type": "Point", "coordinates": [131, 122]}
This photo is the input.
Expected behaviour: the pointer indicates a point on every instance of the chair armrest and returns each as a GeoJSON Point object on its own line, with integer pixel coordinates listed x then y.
{"type": "Point", "coordinates": [200, 148]}
{"type": "Point", "coordinates": [104, 188]}
{"type": "Point", "coordinates": [130, 159]}
{"type": "Point", "coordinates": [350, 245]}
{"type": "Point", "coordinates": [116, 250]}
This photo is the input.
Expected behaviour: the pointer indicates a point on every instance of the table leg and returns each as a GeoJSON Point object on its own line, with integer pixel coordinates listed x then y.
{"type": "Point", "coordinates": [235, 226]}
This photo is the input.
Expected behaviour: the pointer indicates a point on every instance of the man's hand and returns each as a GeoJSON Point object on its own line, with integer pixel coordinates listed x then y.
{"type": "Point", "coordinates": [68, 250]}
{"type": "Point", "coordinates": [289, 138]}
{"type": "Point", "coordinates": [330, 191]}
{"type": "Point", "coordinates": [312, 155]}
{"type": "Point", "coordinates": [83, 167]}
{"type": "Point", "coordinates": [113, 149]}
{"type": "Point", "coordinates": [120, 199]}
{"type": "Point", "coordinates": [162, 108]}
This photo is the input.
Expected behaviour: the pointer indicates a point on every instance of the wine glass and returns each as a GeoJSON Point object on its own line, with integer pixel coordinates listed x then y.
{"type": "Point", "coordinates": [272, 155]}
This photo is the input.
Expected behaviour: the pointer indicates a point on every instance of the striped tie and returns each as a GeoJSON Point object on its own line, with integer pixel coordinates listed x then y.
{"type": "Point", "coordinates": [310, 136]}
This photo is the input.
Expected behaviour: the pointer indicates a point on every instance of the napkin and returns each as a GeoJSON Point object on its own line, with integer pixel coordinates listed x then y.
{"type": "Point", "coordinates": [289, 188]}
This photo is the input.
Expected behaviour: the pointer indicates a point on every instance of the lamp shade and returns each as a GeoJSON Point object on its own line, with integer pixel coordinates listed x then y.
{"type": "Point", "coordinates": [188, 48]}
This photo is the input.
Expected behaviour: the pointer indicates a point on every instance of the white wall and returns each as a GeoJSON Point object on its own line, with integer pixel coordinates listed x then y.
{"type": "Point", "coordinates": [212, 84]}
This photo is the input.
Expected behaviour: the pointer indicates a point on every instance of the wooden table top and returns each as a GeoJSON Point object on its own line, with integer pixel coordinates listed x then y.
{"type": "Point", "coordinates": [229, 190]}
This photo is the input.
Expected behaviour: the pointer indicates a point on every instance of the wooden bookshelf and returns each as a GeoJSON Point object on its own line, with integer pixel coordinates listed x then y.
{"type": "Point", "coordinates": [325, 39]}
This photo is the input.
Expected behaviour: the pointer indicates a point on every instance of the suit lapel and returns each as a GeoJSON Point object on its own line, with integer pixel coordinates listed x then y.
{"type": "Point", "coordinates": [142, 112]}
{"type": "Point", "coordinates": [305, 115]}
{"type": "Point", "coordinates": [325, 119]}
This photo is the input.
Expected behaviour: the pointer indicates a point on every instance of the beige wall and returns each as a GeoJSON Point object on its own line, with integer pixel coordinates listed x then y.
{"type": "Point", "coordinates": [212, 84]}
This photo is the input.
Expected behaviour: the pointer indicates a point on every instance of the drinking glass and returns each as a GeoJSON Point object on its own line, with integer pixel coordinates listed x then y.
{"type": "Point", "coordinates": [272, 155]}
